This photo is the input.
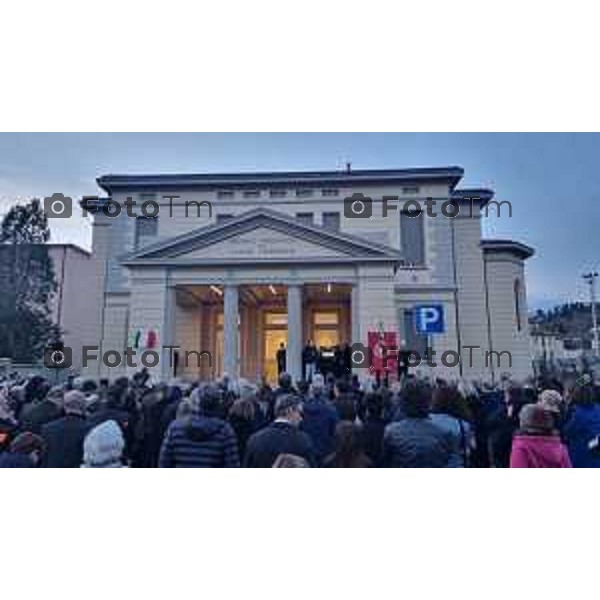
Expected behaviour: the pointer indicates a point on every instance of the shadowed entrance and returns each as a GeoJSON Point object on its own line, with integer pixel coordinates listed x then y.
{"type": "Point", "coordinates": [262, 325]}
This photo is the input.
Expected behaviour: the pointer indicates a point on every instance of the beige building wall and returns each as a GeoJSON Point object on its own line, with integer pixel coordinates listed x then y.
{"type": "Point", "coordinates": [508, 325]}
{"type": "Point", "coordinates": [73, 304]}
{"type": "Point", "coordinates": [453, 274]}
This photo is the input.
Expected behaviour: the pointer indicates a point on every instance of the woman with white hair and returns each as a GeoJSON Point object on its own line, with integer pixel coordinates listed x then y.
{"type": "Point", "coordinates": [103, 446]}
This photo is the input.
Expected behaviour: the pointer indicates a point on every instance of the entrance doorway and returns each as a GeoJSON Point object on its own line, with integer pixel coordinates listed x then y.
{"type": "Point", "coordinates": [275, 333]}
{"type": "Point", "coordinates": [326, 328]}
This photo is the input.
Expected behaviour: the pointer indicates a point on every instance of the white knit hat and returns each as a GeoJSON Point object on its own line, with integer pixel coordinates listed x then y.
{"type": "Point", "coordinates": [551, 400]}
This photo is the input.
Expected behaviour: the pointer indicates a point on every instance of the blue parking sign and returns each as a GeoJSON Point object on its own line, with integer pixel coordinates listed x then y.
{"type": "Point", "coordinates": [430, 318]}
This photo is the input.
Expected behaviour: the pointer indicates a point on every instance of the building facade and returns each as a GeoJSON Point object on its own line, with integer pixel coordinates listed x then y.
{"type": "Point", "coordinates": [234, 265]}
{"type": "Point", "coordinates": [70, 304]}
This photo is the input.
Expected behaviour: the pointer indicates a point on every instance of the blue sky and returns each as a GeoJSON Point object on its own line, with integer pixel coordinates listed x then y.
{"type": "Point", "coordinates": [552, 180]}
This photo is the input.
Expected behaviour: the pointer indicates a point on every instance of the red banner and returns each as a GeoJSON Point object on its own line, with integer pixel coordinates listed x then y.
{"type": "Point", "coordinates": [384, 352]}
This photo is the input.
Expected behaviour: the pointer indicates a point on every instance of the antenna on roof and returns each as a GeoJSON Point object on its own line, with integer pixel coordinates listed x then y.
{"type": "Point", "coordinates": [349, 167]}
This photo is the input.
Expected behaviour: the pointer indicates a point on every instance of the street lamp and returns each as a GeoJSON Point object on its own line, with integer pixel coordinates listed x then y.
{"type": "Point", "coordinates": [591, 279]}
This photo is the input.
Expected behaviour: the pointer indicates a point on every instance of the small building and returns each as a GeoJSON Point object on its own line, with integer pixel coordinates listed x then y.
{"type": "Point", "coordinates": [70, 305]}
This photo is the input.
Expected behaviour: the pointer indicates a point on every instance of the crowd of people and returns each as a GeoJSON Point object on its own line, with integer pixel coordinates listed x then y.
{"type": "Point", "coordinates": [329, 422]}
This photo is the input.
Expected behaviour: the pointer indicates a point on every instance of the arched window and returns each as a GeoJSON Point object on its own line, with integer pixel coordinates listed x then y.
{"type": "Point", "coordinates": [518, 304]}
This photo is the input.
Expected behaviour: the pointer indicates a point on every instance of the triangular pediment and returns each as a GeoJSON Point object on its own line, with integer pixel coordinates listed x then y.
{"type": "Point", "coordinates": [261, 235]}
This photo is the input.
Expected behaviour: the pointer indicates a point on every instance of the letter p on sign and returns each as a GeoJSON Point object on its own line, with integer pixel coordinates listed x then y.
{"type": "Point", "coordinates": [430, 319]}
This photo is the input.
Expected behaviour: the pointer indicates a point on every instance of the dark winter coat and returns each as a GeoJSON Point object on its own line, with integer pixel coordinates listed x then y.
{"type": "Point", "coordinates": [243, 429]}
{"type": "Point", "coordinates": [372, 435]}
{"type": "Point", "coordinates": [319, 421]}
{"type": "Point", "coordinates": [153, 433]}
{"type": "Point", "coordinates": [64, 442]}
{"type": "Point", "coordinates": [35, 416]}
{"type": "Point", "coordinates": [280, 437]}
{"type": "Point", "coordinates": [582, 427]}
{"type": "Point", "coordinates": [202, 442]}
{"type": "Point", "coordinates": [501, 428]}
{"type": "Point", "coordinates": [416, 443]}
{"type": "Point", "coordinates": [15, 460]}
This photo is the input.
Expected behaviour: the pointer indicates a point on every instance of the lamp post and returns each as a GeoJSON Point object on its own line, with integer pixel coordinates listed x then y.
{"type": "Point", "coordinates": [591, 279]}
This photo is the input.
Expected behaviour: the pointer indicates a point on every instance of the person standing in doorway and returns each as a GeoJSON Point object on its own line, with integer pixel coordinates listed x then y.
{"type": "Point", "coordinates": [281, 359]}
{"type": "Point", "coordinates": [309, 359]}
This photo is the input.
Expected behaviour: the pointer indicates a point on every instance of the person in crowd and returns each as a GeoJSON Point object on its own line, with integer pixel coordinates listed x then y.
{"type": "Point", "coordinates": [242, 417]}
{"type": "Point", "coordinates": [169, 413]}
{"type": "Point", "coordinates": [201, 439]}
{"type": "Point", "coordinates": [280, 357]}
{"type": "Point", "coordinates": [283, 436]}
{"type": "Point", "coordinates": [89, 387]}
{"type": "Point", "coordinates": [338, 362]}
{"type": "Point", "coordinates": [583, 426]}
{"type": "Point", "coordinates": [152, 406]}
{"type": "Point", "coordinates": [42, 409]}
{"type": "Point", "coordinates": [319, 418]}
{"type": "Point", "coordinates": [9, 427]}
{"type": "Point", "coordinates": [373, 427]}
{"type": "Point", "coordinates": [64, 436]}
{"type": "Point", "coordinates": [25, 451]}
{"type": "Point", "coordinates": [309, 361]}
{"type": "Point", "coordinates": [36, 389]}
{"type": "Point", "coordinates": [537, 444]}
{"type": "Point", "coordinates": [502, 424]}
{"type": "Point", "coordinates": [290, 461]}
{"type": "Point", "coordinates": [391, 426]}
{"type": "Point", "coordinates": [416, 441]}
{"type": "Point", "coordinates": [103, 446]}
{"type": "Point", "coordinates": [348, 450]}
{"type": "Point", "coordinates": [345, 401]}
{"type": "Point", "coordinates": [286, 386]}
{"type": "Point", "coordinates": [552, 401]}
{"type": "Point", "coordinates": [113, 409]}
{"type": "Point", "coordinates": [451, 413]}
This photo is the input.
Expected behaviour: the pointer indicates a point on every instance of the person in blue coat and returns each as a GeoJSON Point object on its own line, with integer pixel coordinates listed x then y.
{"type": "Point", "coordinates": [582, 427]}
{"type": "Point", "coordinates": [201, 439]}
{"type": "Point", "coordinates": [319, 419]}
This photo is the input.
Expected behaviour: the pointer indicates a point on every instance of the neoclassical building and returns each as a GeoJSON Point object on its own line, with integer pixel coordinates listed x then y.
{"type": "Point", "coordinates": [236, 264]}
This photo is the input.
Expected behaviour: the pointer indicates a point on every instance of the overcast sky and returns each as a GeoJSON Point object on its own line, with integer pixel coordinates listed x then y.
{"type": "Point", "coordinates": [552, 180]}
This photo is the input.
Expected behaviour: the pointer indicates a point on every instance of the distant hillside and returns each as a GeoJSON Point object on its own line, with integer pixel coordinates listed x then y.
{"type": "Point", "coordinates": [572, 320]}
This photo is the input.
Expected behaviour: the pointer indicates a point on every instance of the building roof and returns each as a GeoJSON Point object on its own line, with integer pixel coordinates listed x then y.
{"type": "Point", "coordinates": [481, 195]}
{"type": "Point", "coordinates": [70, 246]}
{"type": "Point", "coordinates": [450, 175]}
{"type": "Point", "coordinates": [517, 248]}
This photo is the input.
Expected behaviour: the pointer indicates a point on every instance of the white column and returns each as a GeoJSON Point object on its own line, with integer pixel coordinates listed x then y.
{"type": "Point", "coordinates": [230, 330]}
{"type": "Point", "coordinates": [294, 347]}
{"type": "Point", "coordinates": [355, 312]}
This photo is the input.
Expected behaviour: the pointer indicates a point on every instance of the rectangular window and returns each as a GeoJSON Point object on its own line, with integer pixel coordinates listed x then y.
{"type": "Point", "coordinates": [330, 192]}
{"type": "Point", "coordinates": [305, 218]}
{"type": "Point", "coordinates": [278, 193]}
{"type": "Point", "coordinates": [331, 220]}
{"type": "Point", "coordinates": [414, 341]}
{"type": "Point", "coordinates": [224, 194]}
{"type": "Point", "coordinates": [273, 319]}
{"type": "Point", "coordinates": [145, 227]}
{"type": "Point", "coordinates": [146, 198]}
{"type": "Point", "coordinates": [252, 194]}
{"type": "Point", "coordinates": [326, 318]}
{"type": "Point", "coordinates": [412, 239]}
{"type": "Point", "coordinates": [304, 193]}
{"type": "Point", "coordinates": [411, 190]}
{"type": "Point", "coordinates": [223, 217]}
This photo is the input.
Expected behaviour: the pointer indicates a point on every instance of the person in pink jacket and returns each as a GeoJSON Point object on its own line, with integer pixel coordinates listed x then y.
{"type": "Point", "coordinates": [537, 445]}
